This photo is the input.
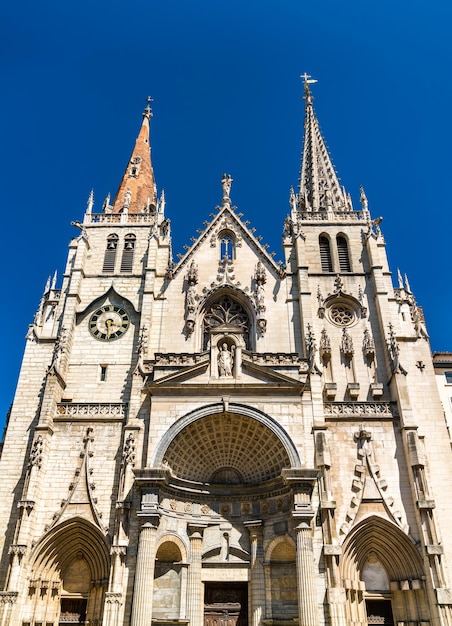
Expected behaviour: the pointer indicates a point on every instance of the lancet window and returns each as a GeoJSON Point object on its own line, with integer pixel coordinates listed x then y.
{"type": "Point", "coordinates": [227, 246]}
{"type": "Point", "coordinates": [325, 254]}
{"type": "Point", "coordinates": [110, 254]}
{"type": "Point", "coordinates": [342, 252]}
{"type": "Point", "coordinates": [128, 253]}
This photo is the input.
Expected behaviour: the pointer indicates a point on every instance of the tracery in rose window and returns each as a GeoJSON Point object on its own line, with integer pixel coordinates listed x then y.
{"type": "Point", "coordinates": [226, 312]}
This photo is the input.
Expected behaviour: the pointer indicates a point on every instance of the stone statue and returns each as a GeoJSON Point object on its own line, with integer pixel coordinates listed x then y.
{"type": "Point", "coordinates": [225, 361]}
{"type": "Point", "coordinates": [226, 182]}
{"type": "Point", "coordinates": [127, 198]}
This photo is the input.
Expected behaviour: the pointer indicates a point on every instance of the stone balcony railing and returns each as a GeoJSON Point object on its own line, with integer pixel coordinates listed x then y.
{"type": "Point", "coordinates": [88, 410]}
{"type": "Point", "coordinates": [323, 216]}
{"type": "Point", "coordinates": [360, 410]}
{"type": "Point", "coordinates": [119, 218]}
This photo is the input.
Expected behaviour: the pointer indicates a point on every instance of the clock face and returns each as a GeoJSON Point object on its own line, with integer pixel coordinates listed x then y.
{"type": "Point", "coordinates": [108, 323]}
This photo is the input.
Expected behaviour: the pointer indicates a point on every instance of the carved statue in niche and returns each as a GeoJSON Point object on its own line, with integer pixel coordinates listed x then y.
{"type": "Point", "coordinates": [225, 361]}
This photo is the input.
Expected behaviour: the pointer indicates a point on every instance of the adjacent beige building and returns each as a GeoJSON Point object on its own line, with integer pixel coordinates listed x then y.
{"type": "Point", "coordinates": [223, 440]}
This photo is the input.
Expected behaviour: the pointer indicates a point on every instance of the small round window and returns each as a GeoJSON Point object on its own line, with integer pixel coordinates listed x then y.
{"type": "Point", "coordinates": [341, 314]}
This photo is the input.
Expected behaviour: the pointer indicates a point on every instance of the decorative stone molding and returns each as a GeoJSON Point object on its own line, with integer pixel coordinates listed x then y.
{"type": "Point", "coordinates": [83, 472]}
{"type": "Point", "coordinates": [8, 597]}
{"type": "Point", "coordinates": [36, 452]}
{"type": "Point", "coordinates": [311, 347]}
{"type": "Point", "coordinates": [260, 278]}
{"type": "Point", "coordinates": [368, 345]}
{"type": "Point", "coordinates": [347, 344]}
{"type": "Point", "coordinates": [191, 298]}
{"type": "Point", "coordinates": [273, 359]}
{"type": "Point", "coordinates": [128, 454]}
{"type": "Point", "coordinates": [394, 350]}
{"type": "Point", "coordinates": [368, 471]}
{"type": "Point", "coordinates": [325, 346]}
{"type": "Point", "coordinates": [113, 598]}
{"type": "Point", "coordinates": [17, 550]}
{"type": "Point", "coordinates": [26, 504]}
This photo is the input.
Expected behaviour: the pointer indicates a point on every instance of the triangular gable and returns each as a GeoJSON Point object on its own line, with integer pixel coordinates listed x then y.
{"type": "Point", "coordinates": [228, 219]}
{"type": "Point", "coordinates": [198, 372]}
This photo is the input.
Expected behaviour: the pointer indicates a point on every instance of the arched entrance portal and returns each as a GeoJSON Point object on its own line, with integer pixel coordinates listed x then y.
{"type": "Point", "coordinates": [227, 448]}
{"type": "Point", "coordinates": [225, 481]}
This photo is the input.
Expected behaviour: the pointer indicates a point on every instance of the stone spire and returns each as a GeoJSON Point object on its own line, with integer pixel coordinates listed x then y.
{"type": "Point", "coordinates": [319, 185]}
{"type": "Point", "coordinates": [137, 192]}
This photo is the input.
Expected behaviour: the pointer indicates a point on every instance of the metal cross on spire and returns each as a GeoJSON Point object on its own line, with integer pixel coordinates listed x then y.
{"type": "Point", "coordinates": [307, 78]}
{"type": "Point", "coordinates": [148, 109]}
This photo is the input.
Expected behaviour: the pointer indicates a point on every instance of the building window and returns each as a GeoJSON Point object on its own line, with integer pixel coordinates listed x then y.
{"type": "Point", "coordinates": [134, 167]}
{"type": "Point", "coordinates": [227, 246]}
{"type": "Point", "coordinates": [110, 254]}
{"type": "Point", "coordinates": [103, 373]}
{"type": "Point", "coordinates": [325, 254]}
{"type": "Point", "coordinates": [127, 253]}
{"type": "Point", "coordinates": [342, 252]}
{"type": "Point", "coordinates": [226, 312]}
{"type": "Point", "coordinates": [448, 376]}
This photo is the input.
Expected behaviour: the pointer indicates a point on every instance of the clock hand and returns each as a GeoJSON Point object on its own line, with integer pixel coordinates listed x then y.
{"type": "Point", "coordinates": [109, 323]}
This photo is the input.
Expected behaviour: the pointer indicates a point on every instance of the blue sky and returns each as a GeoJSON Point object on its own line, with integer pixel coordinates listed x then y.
{"type": "Point", "coordinates": [225, 79]}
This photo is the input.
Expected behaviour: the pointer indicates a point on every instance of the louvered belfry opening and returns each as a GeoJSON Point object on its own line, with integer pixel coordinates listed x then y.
{"type": "Point", "coordinates": [128, 253]}
{"type": "Point", "coordinates": [325, 254]}
{"type": "Point", "coordinates": [110, 254]}
{"type": "Point", "coordinates": [342, 252]}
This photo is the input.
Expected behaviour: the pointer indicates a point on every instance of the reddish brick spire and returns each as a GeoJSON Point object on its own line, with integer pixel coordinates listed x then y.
{"type": "Point", "coordinates": [137, 193]}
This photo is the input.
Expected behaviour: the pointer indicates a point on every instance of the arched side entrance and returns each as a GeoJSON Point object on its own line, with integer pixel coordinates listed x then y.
{"type": "Point", "coordinates": [382, 573]}
{"type": "Point", "coordinates": [68, 575]}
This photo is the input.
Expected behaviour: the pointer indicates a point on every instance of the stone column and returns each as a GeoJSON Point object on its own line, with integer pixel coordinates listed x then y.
{"type": "Point", "coordinates": [195, 600]}
{"type": "Point", "coordinates": [307, 601]}
{"type": "Point", "coordinates": [257, 573]}
{"type": "Point", "coordinates": [144, 577]}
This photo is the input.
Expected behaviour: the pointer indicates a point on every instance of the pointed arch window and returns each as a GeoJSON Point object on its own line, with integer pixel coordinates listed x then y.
{"type": "Point", "coordinates": [227, 246]}
{"type": "Point", "coordinates": [342, 252]}
{"type": "Point", "coordinates": [226, 312]}
{"type": "Point", "coordinates": [110, 254]}
{"type": "Point", "coordinates": [325, 254]}
{"type": "Point", "coordinates": [128, 253]}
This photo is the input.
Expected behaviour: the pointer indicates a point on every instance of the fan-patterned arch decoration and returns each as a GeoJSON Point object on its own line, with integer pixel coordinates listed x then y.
{"type": "Point", "coordinates": [226, 311]}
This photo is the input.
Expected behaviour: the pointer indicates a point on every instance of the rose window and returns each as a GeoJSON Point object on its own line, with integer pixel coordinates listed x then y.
{"type": "Point", "coordinates": [341, 315]}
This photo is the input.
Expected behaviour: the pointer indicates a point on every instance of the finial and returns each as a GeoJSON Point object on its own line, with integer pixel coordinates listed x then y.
{"type": "Point", "coordinates": [148, 111]}
{"type": "Point", "coordinates": [90, 203]}
{"type": "Point", "coordinates": [54, 279]}
{"type": "Point", "coordinates": [162, 202]}
{"type": "Point", "coordinates": [399, 278]}
{"type": "Point", "coordinates": [307, 80]}
{"type": "Point", "coordinates": [106, 203]}
{"type": "Point", "coordinates": [407, 285]}
{"type": "Point", "coordinates": [363, 199]}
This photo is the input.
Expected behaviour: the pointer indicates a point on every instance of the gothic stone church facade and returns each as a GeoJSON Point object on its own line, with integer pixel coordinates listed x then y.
{"type": "Point", "coordinates": [227, 441]}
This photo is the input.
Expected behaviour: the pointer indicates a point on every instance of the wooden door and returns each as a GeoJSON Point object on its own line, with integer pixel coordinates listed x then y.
{"type": "Point", "coordinates": [226, 604]}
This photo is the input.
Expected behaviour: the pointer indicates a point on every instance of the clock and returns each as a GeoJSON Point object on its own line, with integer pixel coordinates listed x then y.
{"type": "Point", "coordinates": [108, 323]}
